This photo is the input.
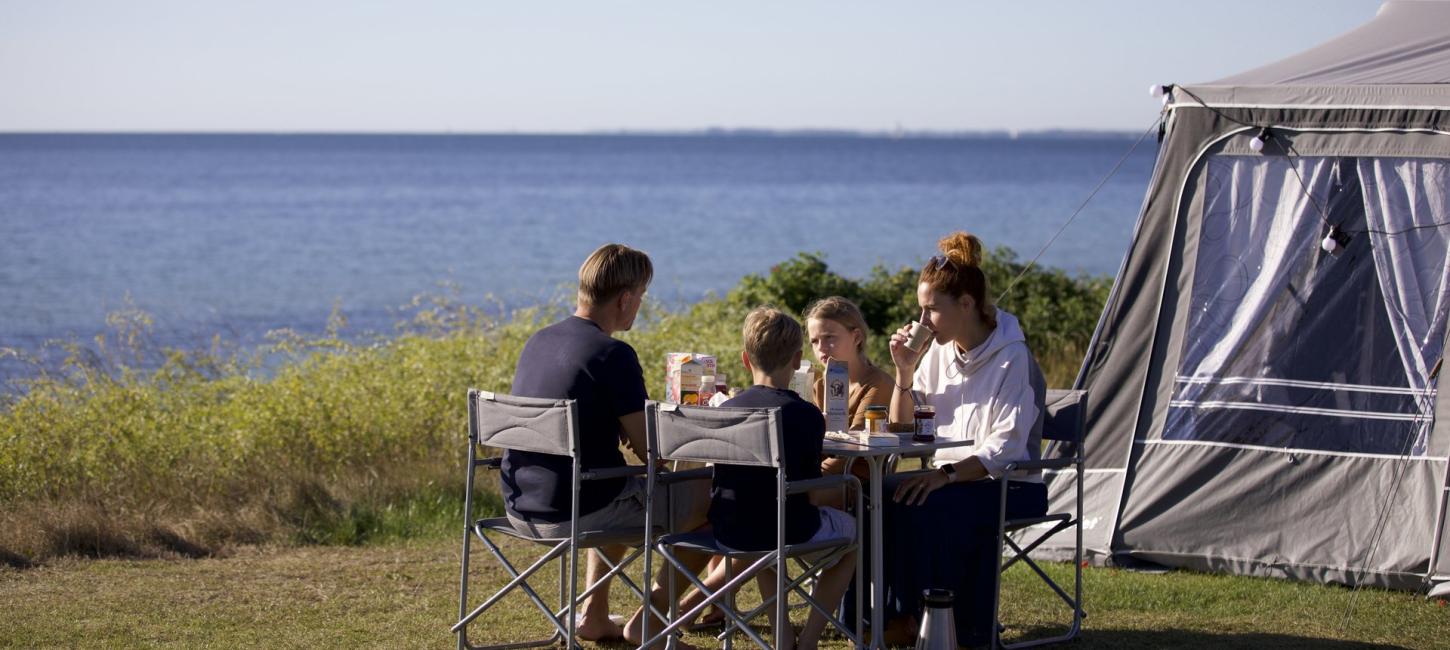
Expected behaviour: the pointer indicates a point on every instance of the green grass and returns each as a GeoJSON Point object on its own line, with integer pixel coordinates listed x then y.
{"type": "Point", "coordinates": [404, 594]}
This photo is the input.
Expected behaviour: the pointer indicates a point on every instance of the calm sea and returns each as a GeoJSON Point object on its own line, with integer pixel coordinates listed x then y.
{"type": "Point", "coordinates": [240, 234]}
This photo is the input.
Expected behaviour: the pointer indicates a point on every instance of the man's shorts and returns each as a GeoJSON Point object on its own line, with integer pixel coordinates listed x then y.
{"type": "Point", "coordinates": [627, 510]}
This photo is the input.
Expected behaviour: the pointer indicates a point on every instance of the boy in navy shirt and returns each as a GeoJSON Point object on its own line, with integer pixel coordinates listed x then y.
{"type": "Point", "coordinates": [742, 496]}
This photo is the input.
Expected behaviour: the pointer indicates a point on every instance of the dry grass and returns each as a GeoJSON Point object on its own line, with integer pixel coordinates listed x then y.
{"type": "Point", "coordinates": [405, 595]}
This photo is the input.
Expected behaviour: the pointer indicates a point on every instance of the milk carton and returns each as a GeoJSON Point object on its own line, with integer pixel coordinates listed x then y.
{"type": "Point", "coordinates": [837, 389]}
{"type": "Point", "coordinates": [683, 374]}
{"type": "Point", "coordinates": [803, 382]}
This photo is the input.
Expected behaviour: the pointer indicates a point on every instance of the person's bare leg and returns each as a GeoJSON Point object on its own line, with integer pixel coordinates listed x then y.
{"type": "Point", "coordinates": [693, 511]}
{"type": "Point", "coordinates": [594, 623]}
{"type": "Point", "coordinates": [660, 597]}
{"type": "Point", "coordinates": [765, 581]}
{"type": "Point", "coordinates": [829, 588]}
{"type": "Point", "coordinates": [715, 577]}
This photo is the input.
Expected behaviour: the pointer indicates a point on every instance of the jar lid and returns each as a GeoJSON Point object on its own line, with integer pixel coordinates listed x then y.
{"type": "Point", "coordinates": [876, 407]}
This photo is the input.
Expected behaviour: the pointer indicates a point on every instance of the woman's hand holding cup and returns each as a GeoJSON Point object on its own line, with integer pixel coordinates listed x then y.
{"type": "Point", "coordinates": [908, 343]}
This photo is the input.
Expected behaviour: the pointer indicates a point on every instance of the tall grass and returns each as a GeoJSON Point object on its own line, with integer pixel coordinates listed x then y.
{"type": "Point", "coordinates": [321, 439]}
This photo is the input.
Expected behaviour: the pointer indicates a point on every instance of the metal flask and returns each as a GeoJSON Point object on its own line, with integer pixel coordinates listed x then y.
{"type": "Point", "coordinates": [938, 627]}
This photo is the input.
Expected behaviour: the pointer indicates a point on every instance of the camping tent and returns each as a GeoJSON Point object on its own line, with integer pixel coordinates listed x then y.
{"type": "Point", "coordinates": [1258, 404]}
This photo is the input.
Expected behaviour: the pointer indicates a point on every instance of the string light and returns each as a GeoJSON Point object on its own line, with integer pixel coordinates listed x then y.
{"type": "Point", "coordinates": [1257, 144]}
{"type": "Point", "coordinates": [1163, 93]}
{"type": "Point", "coordinates": [1335, 241]}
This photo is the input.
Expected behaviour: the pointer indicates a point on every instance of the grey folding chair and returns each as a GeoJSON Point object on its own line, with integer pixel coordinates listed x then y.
{"type": "Point", "coordinates": [744, 436]}
{"type": "Point", "coordinates": [551, 427]}
{"type": "Point", "coordinates": [1063, 425]}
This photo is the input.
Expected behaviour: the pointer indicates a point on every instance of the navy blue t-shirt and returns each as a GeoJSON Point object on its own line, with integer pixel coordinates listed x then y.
{"type": "Point", "coordinates": [573, 359]}
{"type": "Point", "coordinates": [742, 498]}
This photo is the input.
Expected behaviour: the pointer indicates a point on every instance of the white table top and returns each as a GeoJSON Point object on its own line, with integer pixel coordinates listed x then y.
{"type": "Point", "coordinates": [906, 446]}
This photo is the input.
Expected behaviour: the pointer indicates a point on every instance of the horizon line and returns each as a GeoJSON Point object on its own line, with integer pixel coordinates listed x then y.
{"type": "Point", "coordinates": [697, 132]}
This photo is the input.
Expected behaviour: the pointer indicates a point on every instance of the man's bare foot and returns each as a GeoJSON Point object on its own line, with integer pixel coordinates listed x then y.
{"type": "Point", "coordinates": [632, 635]}
{"type": "Point", "coordinates": [600, 628]}
{"type": "Point", "coordinates": [634, 640]}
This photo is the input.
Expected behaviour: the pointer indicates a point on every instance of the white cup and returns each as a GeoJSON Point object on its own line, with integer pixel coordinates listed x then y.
{"type": "Point", "coordinates": [918, 337]}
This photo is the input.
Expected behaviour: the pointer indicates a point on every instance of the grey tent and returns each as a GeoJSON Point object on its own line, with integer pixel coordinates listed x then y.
{"type": "Point", "coordinates": [1258, 404]}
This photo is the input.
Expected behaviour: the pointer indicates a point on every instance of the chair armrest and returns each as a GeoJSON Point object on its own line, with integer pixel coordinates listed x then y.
{"type": "Point", "coordinates": [917, 472]}
{"type": "Point", "coordinates": [494, 462]}
{"type": "Point", "coordinates": [834, 480]}
{"type": "Point", "coordinates": [612, 472]}
{"type": "Point", "coordinates": [697, 474]}
{"type": "Point", "coordinates": [1046, 463]}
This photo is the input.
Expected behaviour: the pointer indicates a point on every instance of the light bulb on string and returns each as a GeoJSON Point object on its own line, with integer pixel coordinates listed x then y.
{"type": "Point", "coordinates": [1163, 93]}
{"type": "Point", "coordinates": [1335, 241]}
{"type": "Point", "coordinates": [1257, 143]}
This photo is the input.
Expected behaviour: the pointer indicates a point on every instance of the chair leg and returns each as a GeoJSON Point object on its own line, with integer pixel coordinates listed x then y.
{"type": "Point", "coordinates": [729, 631]}
{"type": "Point", "coordinates": [463, 587]}
{"type": "Point", "coordinates": [563, 590]}
{"type": "Point", "coordinates": [1072, 601]}
{"type": "Point", "coordinates": [519, 581]}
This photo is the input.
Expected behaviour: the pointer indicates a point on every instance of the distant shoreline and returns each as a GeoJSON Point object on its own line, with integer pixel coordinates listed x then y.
{"type": "Point", "coordinates": [710, 132]}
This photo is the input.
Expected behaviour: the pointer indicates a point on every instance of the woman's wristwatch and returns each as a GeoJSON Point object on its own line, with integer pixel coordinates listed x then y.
{"type": "Point", "coordinates": [951, 471]}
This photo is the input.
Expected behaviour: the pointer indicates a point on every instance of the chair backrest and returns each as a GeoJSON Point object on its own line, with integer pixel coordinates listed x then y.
{"type": "Point", "coordinates": [733, 436]}
{"type": "Point", "coordinates": [548, 426]}
{"type": "Point", "coordinates": [1064, 422]}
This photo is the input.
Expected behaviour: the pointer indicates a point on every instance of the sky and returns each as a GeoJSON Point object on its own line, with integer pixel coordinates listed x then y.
{"type": "Point", "coordinates": [568, 67]}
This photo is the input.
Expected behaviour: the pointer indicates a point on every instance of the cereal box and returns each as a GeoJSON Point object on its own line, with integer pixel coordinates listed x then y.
{"type": "Point", "coordinates": [684, 375]}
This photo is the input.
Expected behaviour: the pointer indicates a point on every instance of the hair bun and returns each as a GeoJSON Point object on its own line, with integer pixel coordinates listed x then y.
{"type": "Point", "coordinates": [962, 248]}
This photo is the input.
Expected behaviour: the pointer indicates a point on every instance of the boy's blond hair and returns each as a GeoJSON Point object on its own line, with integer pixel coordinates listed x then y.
{"type": "Point", "coordinates": [611, 270]}
{"type": "Point", "coordinates": [772, 338]}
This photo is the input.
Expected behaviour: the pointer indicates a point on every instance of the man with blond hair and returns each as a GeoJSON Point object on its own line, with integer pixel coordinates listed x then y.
{"type": "Point", "coordinates": [578, 358]}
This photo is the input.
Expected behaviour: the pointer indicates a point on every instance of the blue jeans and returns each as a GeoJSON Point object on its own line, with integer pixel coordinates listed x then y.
{"type": "Point", "coordinates": [950, 542]}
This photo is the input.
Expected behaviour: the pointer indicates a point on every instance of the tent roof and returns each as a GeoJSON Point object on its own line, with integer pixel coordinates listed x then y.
{"type": "Point", "coordinates": [1407, 42]}
{"type": "Point", "coordinates": [1399, 58]}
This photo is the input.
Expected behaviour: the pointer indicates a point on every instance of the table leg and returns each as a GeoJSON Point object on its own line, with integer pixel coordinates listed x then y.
{"type": "Point", "coordinates": [878, 585]}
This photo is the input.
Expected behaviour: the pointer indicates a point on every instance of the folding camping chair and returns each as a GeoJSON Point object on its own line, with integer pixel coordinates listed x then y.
{"type": "Point", "coordinates": [550, 427]}
{"type": "Point", "coordinates": [743, 436]}
{"type": "Point", "coordinates": [1063, 424]}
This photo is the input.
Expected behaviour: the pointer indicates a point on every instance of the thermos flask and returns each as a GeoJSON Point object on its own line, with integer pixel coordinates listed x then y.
{"type": "Point", "coordinates": [938, 627]}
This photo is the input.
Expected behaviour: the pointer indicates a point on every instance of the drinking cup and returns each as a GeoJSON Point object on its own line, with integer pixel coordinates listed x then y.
{"type": "Point", "coordinates": [919, 337]}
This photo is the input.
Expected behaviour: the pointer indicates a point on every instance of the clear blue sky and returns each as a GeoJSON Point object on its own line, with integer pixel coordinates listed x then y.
{"type": "Point", "coordinates": [506, 66]}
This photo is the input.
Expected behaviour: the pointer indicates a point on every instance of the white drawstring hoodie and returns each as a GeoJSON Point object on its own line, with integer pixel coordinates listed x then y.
{"type": "Point", "coordinates": [987, 394]}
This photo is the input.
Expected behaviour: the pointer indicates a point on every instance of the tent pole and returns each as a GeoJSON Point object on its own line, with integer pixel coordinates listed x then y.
{"type": "Point", "coordinates": [1435, 546]}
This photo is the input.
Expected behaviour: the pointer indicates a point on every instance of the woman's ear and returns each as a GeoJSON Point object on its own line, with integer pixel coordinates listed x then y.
{"type": "Point", "coordinates": [968, 303]}
{"type": "Point", "coordinates": [745, 359]}
{"type": "Point", "coordinates": [858, 338]}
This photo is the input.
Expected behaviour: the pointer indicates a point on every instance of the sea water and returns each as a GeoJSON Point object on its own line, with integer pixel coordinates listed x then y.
{"type": "Point", "coordinates": [242, 234]}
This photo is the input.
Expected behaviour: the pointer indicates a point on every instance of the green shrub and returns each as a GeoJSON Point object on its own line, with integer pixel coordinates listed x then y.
{"type": "Point", "coordinates": [347, 441]}
{"type": "Point", "coordinates": [1058, 312]}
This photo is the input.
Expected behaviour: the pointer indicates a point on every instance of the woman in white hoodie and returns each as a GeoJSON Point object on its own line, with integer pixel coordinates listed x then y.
{"type": "Point", "coordinates": [940, 527]}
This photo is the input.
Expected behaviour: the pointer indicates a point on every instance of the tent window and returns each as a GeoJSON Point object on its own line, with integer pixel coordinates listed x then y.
{"type": "Point", "coordinates": [1289, 346]}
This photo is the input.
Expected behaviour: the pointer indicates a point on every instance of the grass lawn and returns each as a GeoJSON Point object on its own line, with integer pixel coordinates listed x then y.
{"type": "Point", "coordinates": [404, 594]}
